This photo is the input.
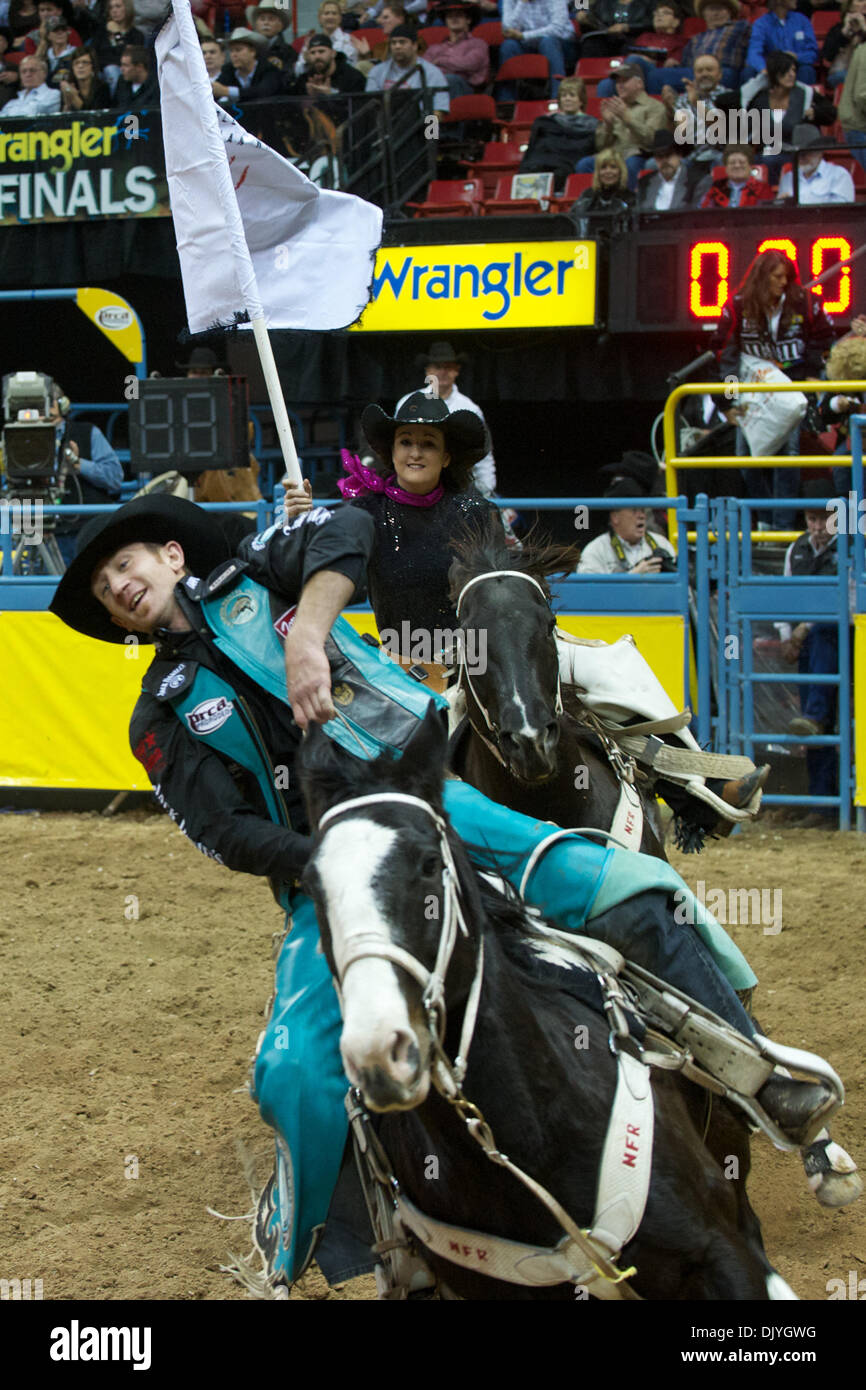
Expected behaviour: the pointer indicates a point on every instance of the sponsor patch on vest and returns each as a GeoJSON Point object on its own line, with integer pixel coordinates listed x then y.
{"type": "Point", "coordinates": [343, 695]}
{"type": "Point", "coordinates": [220, 577]}
{"type": "Point", "coordinates": [285, 620]}
{"type": "Point", "coordinates": [238, 609]}
{"type": "Point", "coordinates": [210, 715]}
{"type": "Point", "coordinates": [173, 681]}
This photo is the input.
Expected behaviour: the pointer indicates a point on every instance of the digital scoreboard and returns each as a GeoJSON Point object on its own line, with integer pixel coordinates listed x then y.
{"type": "Point", "coordinates": [189, 424]}
{"type": "Point", "coordinates": [677, 273]}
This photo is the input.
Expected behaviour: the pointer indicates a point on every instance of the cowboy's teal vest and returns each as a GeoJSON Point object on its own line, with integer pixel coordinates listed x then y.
{"type": "Point", "coordinates": [378, 705]}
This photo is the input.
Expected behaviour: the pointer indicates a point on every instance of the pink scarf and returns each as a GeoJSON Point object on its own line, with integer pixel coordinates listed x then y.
{"type": "Point", "coordinates": [363, 480]}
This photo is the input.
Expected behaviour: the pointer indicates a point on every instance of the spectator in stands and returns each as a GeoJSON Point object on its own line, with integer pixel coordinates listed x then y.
{"type": "Point", "coordinates": [330, 17]}
{"type": "Point", "coordinates": [740, 187]}
{"type": "Point", "coordinates": [843, 39]}
{"type": "Point", "coordinates": [247, 74]}
{"type": "Point", "coordinates": [627, 547]}
{"type": "Point", "coordinates": [791, 102]}
{"type": "Point", "coordinates": [559, 140]}
{"type": "Point", "coordinates": [814, 649]}
{"type": "Point", "coordinates": [673, 184]}
{"type": "Point", "coordinates": [95, 474]}
{"type": "Point", "coordinates": [413, 13]}
{"type": "Point", "coordinates": [405, 69]}
{"type": "Point", "coordinates": [87, 17]}
{"type": "Point", "coordinates": [538, 26]}
{"type": "Point", "coordinates": [390, 15]}
{"type": "Point", "coordinates": [326, 73]}
{"type": "Point", "coordinates": [23, 17]}
{"type": "Point", "coordinates": [852, 106]}
{"type": "Point", "coordinates": [214, 57]}
{"type": "Point", "coordinates": [80, 87]}
{"type": "Point", "coordinates": [464, 60]}
{"type": "Point", "coordinates": [271, 20]}
{"type": "Point", "coordinates": [629, 122]}
{"type": "Point", "coordinates": [38, 37]}
{"type": "Point", "coordinates": [117, 33]}
{"type": "Point", "coordinates": [444, 363]}
{"type": "Point", "coordinates": [8, 71]}
{"type": "Point", "coordinates": [726, 37]}
{"type": "Point", "coordinates": [137, 87]}
{"type": "Point", "coordinates": [706, 88]}
{"type": "Point", "coordinates": [35, 98]}
{"type": "Point", "coordinates": [611, 26]}
{"type": "Point", "coordinates": [782, 27]}
{"type": "Point", "coordinates": [846, 362]}
{"type": "Point", "coordinates": [819, 180]}
{"type": "Point", "coordinates": [772, 317]}
{"type": "Point", "coordinates": [663, 44]}
{"type": "Point", "coordinates": [609, 193]}
{"type": "Point", "coordinates": [148, 15]}
{"type": "Point", "coordinates": [55, 47]}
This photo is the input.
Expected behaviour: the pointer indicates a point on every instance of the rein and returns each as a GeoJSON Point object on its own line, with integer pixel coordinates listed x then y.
{"type": "Point", "coordinates": [492, 743]}
{"type": "Point", "coordinates": [590, 1257]}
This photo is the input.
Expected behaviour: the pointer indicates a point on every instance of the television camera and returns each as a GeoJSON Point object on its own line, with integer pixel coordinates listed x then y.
{"type": "Point", "coordinates": [33, 469]}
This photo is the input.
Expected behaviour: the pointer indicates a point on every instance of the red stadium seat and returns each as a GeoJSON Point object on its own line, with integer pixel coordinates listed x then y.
{"type": "Point", "coordinates": [373, 36]}
{"type": "Point", "coordinates": [474, 108]}
{"type": "Point", "coordinates": [298, 43]}
{"type": "Point", "coordinates": [433, 33]}
{"type": "Point", "coordinates": [691, 26]}
{"type": "Point", "coordinates": [497, 158]}
{"type": "Point", "coordinates": [574, 186]}
{"type": "Point", "coordinates": [451, 198]}
{"type": "Point", "coordinates": [593, 107]}
{"type": "Point", "coordinates": [502, 204]}
{"type": "Point", "coordinates": [13, 59]}
{"type": "Point", "coordinates": [525, 114]}
{"type": "Point", "coordinates": [823, 21]}
{"type": "Point", "coordinates": [527, 68]}
{"type": "Point", "coordinates": [490, 30]}
{"type": "Point", "coordinates": [594, 69]}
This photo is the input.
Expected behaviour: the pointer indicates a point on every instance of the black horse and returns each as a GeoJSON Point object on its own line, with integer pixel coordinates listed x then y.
{"type": "Point", "coordinates": [376, 869]}
{"type": "Point", "coordinates": [521, 748]}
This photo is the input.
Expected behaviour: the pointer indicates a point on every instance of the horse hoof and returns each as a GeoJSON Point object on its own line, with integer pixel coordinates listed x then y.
{"type": "Point", "coordinates": [836, 1189]}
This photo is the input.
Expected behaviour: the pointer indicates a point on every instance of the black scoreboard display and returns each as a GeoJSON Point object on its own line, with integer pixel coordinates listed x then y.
{"type": "Point", "coordinates": [189, 424]}
{"type": "Point", "coordinates": [677, 272]}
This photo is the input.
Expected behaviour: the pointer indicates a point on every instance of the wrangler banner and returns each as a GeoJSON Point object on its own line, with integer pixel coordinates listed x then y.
{"type": "Point", "coordinates": [77, 168]}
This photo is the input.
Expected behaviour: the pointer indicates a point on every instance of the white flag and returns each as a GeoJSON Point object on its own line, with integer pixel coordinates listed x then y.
{"type": "Point", "coordinates": [253, 233]}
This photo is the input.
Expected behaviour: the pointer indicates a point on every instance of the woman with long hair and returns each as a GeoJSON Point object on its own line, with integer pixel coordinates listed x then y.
{"type": "Point", "coordinates": [772, 317]}
{"type": "Point", "coordinates": [418, 490]}
{"type": "Point", "coordinates": [81, 86]}
{"type": "Point", "coordinates": [791, 102]}
{"type": "Point", "coordinates": [113, 36]}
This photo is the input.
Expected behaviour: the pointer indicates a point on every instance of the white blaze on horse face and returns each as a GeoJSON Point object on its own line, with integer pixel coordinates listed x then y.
{"type": "Point", "coordinates": [376, 1027]}
{"type": "Point", "coordinates": [527, 730]}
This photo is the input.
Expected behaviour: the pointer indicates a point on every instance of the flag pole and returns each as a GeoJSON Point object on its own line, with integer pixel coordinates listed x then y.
{"type": "Point", "coordinates": [275, 396]}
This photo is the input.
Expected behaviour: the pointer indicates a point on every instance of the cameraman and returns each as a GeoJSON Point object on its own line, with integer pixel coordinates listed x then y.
{"type": "Point", "coordinates": [93, 471]}
{"type": "Point", "coordinates": [627, 547]}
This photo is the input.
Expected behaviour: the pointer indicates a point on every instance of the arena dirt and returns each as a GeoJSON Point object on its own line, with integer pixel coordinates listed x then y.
{"type": "Point", "coordinates": [134, 977]}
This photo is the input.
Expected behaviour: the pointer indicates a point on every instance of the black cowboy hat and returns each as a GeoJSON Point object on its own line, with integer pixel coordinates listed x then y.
{"type": "Point", "coordinates": [814, 490]}
{"type": "Point", "coordinates": [465, 6]}
{"type": "Point", "coordinates": [441, 351]}
{"type": "Point", "coordinates": [625, 487]}
{"type": "Point", "coordinates": [634, 467]}
{"type": "Point", "coordinates": [465, 438]}
{"type": "Point", "coordinates": [158, 518]}
{"type": "Point", "coordinates": [200, 357]}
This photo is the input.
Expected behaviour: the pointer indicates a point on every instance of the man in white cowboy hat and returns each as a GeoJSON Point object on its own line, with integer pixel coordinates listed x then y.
{"type": "Point", "coordinates": [248, 75]}
{"type": "Point", "coordinates": [271, 21]}
{"type": "Point", "coordinates": [444, 362]}
{"type": "Point", "coordinates": [819, 180]}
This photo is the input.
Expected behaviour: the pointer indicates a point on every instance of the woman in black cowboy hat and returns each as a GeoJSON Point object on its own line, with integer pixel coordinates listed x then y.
{"type": "Point", "coordinates": [419, 493]}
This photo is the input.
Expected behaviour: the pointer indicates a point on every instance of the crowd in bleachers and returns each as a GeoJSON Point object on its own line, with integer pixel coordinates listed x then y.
{"type": "Point", "coordinates": [599, 108]}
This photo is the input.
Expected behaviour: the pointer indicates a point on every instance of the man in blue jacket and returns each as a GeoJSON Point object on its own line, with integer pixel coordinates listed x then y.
{"type": "Point", "coordinates": [783, 28]}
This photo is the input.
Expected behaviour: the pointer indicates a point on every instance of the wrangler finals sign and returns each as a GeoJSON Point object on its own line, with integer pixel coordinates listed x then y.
{"type": "Point", "coordinates": [528, 284]}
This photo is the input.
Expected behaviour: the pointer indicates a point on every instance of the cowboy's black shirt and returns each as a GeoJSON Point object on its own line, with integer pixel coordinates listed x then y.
{"type": "Point", "coordinates": [216, 803]}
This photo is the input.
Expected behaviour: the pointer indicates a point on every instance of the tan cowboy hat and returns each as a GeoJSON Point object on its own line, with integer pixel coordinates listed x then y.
{"type": "Point", "coordinates": [268, 7]}
{"type": "Point", "coordinates": [247, 36]}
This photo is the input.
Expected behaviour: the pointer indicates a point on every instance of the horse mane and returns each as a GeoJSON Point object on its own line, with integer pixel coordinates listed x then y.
{"type": "Point", "coordinates": [481, 547]}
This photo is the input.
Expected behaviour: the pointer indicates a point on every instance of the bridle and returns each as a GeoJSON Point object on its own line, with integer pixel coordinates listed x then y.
{"type": "Point", "coordinates": [492, 743]}
{"type": "Point", "coordinates": [447, 1076]}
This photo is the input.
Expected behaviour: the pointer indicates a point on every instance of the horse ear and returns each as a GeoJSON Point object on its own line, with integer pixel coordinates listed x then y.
{"type": "Point", "coordinates": [322, 773]}
{"type": "Point", "coordinates": [422, 764]}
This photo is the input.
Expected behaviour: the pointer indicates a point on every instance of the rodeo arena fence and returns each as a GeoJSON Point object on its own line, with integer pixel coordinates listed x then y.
{"type": "Point", "coordinates": [707, 628]}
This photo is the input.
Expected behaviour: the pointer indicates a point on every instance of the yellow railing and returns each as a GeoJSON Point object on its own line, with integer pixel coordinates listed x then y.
{"type": "Point", "coordinates": [673, 462]}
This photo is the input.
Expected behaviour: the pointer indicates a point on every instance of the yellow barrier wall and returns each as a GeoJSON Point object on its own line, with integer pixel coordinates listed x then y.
{"type": "Point", "coordinates": [66, 700]}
